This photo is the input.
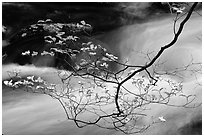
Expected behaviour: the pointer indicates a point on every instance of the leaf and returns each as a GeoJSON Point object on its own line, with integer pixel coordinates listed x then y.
{"type": "Point", "coordinates": [51, 88]}
{"type": "Point", "coordinates": [78, 25]}
{"type": "Point", "coordinates": [31, 78]}
{"type": "Point", "coordinates": [34, 53]}
{"type": "Point", "coordinates": [4, 29]}
{"type": "Point", "coordinates": [88, 43]}
{"type": "Point", "coordinates": [47, 53]}
{"type": "Point", "coordinates": [92, 47]}
{"type": "Point", "coordinates": [77, 67]}
{"type": "Point", "coordinates": [73, 55]}
{"type": "Point", "coordinates": [106, 59]}
{"type": "Point", "coordinates": [83, 44]}
{"type": "Point", "coordinates": [92, 53]}
{"type": "Point", "coordinates": [112, 57]}
{"type": "Point", "coordinates": [18, 82]}
{"type": "Point", "coordinates": [83, 63]}
{"type": "Point", "coordinates": [60, 42]}
{"type": "Point", "coordinates": [48, 41]}
{"type": "Point", "coordinates": [40, 87]}
{"type": "Point", "coordinates": [26, 82]}
{"type": "Point", "coordinates": [75, 37]}
{"type": "Point", "coordinates": [83, 22]}
{"type": "Point", "coordinates": [24, 34]}
{"type": "Point", "coordinates": [134, 81]}
{"type": "Point", "coordinates": [26, 53]}
{"type": "Point", "coordinates": [33, 26]}
{"type": "Point", "coordinates": [50, 37]}
{"type": "Point", "coordinates": [40, 21]}
{"type": "Point", "coordinates": [162, 119]}
{"type": "Point", "coordinates": [59, 50]}
{"type": "Point", "coordinates": [39, 80]}
{"type": "Point", "coordinates": [84, 49]}
{"type": "Point", "coordinates": [64, 74]}
{"type": "Point", "coordinates": [48, 20]}
{"type": "Point", "coordinates": [8, 83]}
{"type": "Point", "coordinates": [75, 51]}
{"type": "Point", "coordinates": [80, 82]}
{"type": "Point", "coordinates": [178, 10]}
{"type": "Point", "coordinates": [104, 65]}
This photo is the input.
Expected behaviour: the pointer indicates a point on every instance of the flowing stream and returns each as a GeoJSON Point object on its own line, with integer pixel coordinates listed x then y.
{"type": "Point", "coordinates": [28, 113]}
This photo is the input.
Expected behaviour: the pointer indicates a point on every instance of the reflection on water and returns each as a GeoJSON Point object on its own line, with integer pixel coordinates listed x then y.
{"type": "Point", "coordinates": [27, 113]}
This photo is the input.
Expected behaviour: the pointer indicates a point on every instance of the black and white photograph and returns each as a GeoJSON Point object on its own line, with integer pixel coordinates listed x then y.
{"type": "Point", "coordinates": [101, 68]}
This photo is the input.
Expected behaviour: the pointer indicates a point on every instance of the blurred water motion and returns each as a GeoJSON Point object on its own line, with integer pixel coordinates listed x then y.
{"type": "Point", "coordinates": [28, 113]}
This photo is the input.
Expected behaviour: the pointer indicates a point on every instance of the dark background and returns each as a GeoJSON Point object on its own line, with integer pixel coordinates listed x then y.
{"type": "Point", "coordinates": [103, 16]}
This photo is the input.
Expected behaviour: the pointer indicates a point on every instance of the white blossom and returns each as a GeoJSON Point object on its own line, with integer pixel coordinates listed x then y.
{"type": "Point", "coordinates": [89, 43]}
{"type": "Point", "coordinates": [40, 87]}
{"type": "Point", "coordinates": [76, 51]}
{"type": "Point", "coordinates": [92, 47]}
{"type": "Point", "coordinates": [64, 74]}
{"type": "Point", "coordinates": [33, 26]}
{"type": "Point", "coordinates": [8, 83]}
{"type": "Point", "coordinates": [77, 67]}
{"type": "Point", "coordinates": [178, 10]}
{"type": "Point", "coordinates": [60, 42]}
{"type": "Point", "coordinates": [40, 21]}
{"type": "Point", "coordinates": [4, 29]}
{"type": "Point", "coordinates": [83, 44]}
{"type": "Point", "coordinates": [104, 65]}
{"type": "Point", "coordinates": [74, 38]}
{"type": "Point", "coordinates": [31, 78]}
{"type": "Point", "coordinates": [51, 38]}
{"type": "Point", "coordinates": [25, 82]}
{"type": "Point", "coordinates": [80, 82]}
{"type": "Point", "coordinates": [59, 25]}
{"type": "Point", "coordinates": [84, 49]}
{"type": "Point", "coordinates": [16, 72]}
{"type": "Point", "coordinates": [79, 26]}
{"type": "Point", "coordinates": [47, 53]}
{"type": "Point", "coordinates": [39, 80]}
{"type": "Point", "coordinates": [88, 25]}
{"type": "Point", "coordinates": [92, 53]}
{"type": "Point", "coordinates": [83, 22]}
{"type": "Point", "coordinates": [48, 20]}
{"type": "Point", "coordinates": [26, 53]}
{"type": "Point", "coordinates": [134, 81]}
{"type": "Point", "coordinates": [49, 41]}
{"type": "Point", "coordinates": [58, 50]}
{"type": "Point", "coordinates": [53, 85]}
{"type": "Point", "coordinates": [104, 49]}
{"type": "Point", "coordinates": [50, 88]}
{"type": "Point", "coordinates": [24, 34]}
{"type": "Point", "coordinates": [84, 62]}
{"type": "Point", "coordinates": [106, 59]}
{"type": "Point", "coordinates": [60, 33]}
{"type": "Point", "coordinates": [112, 57]}
{"type": "Point", "coordinates": [18, 82]}
{"type": "Point", "coordinates": [34, 53]}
